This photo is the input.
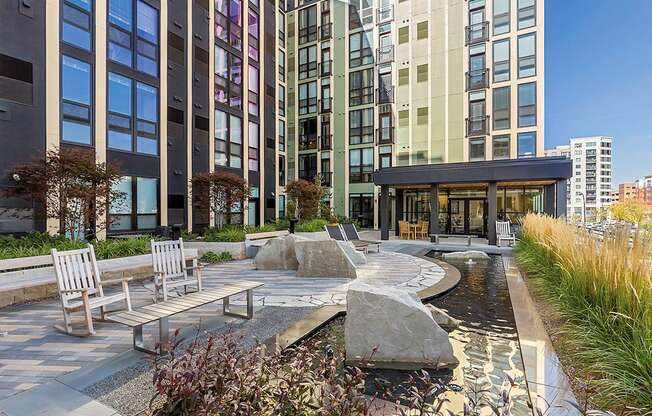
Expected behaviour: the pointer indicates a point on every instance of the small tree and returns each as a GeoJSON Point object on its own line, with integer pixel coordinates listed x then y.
{"type": "Point", "coordinates": [74, 188]}
{"type": "Point", "coordinates": [306, 197]}
{"type": "Point", "coordinates": [221, 192]}
{"type": "Point", "coordinates": [630, 210]}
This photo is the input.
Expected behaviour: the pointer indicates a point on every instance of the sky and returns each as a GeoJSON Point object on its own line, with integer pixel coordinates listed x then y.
{"type": "Point", "coordinates": [599, 78]}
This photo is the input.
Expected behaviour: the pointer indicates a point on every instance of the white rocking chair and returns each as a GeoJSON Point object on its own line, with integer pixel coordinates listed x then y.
{"type": "Point", "coordinates": [170, 270]}
{"type": "Point", "coordinates": [504, 232]}
{"type": "Point", "coordinates": [81, 288]}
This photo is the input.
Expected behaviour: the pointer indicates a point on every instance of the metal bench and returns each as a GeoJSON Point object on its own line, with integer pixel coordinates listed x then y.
{"type": "Point", "coordinates": [162, 311]}
{"type": "Point", "coordinates": [435, 237]}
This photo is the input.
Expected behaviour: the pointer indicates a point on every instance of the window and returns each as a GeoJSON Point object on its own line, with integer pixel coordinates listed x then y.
{"type": "Point", "coordinates": [281, 135]}
{"type": "Point", "coordinates": [422, 73]}
{"type": "Point", "coordinates": [360, 52]}
{"type": "Point", "coordinates": [422, 30]}
{"type": "Point", "coordinates": [527, 61]}
{"type": "Point", "coordinates": [254, 141]}
{"type": "Point", "coordinates": [386, 128]}
{"type": "Point", "coordinates": [147, 119]}
{"type": "Point", "coordinates": [361, 207]}
{"type": "Point", "coordinates": [526, 145]}
{"type": "Point", "coordinates": [120, 112]}
{"type": "Point", "coordinates": [77, 23]}
{"type": "Point", "coordinates": [308, 98]}
{"type": "Point", "coordinates": [477, 122]}
{"type": "Point", "coordinates": [526, 13]}
{"type": "Point", "coordinates": [221, 137]}
{"type": "Point", "coordinates": [308, 167]}
{"type": "Point", "coordinates": [326, 105]}
{"type": "Point", "coordinates": [253, 90]}
{"type": "Point", "coordinates": [422, 116]}
{"type": "Point", "coordinates": [281, 206]}
{"type": "Point", "coordinates": [235, 87]}
{"type": "Point", "coordinates": [308, 62]}
{"type": "Point", "coordinates": [403, 35]}
{"type": "Point", "coordinates": [253, 35]}
{"type": "Point", "coordinates": [141, 194]}
{"type": "Point", "coordinates": [326, 63]}
{"type": "Point", "coordinates": [235, 145]}
{"type": "Point", "coordinates": [361, 87]}
{"type": "Point", "coordinates": [476, 149]}
{"type": "Point", "coordinates": [361, 165]}
{"type": "Point", "coordinates": [501, 17]}
{"type": "Point", "coordinates": [235, 24]}
{"type": "Point", "coordinates": [501, 60]}
{"type": "Point", "coordinates": [527, 105]}
{"type": "Point", "coordinates": [308, 25]}
{"type": "Point", "coordinates": [281, 100]}
{"type": "Point", "coordinates": [501, 147]}
{"type": "Point", "coordinates": [501, 108]}
{"type": "Point", "coordinates": [308, 134]}
{"type": "Point", "coordinates": [281, 65]}
{"type": "Point", "coordinates": [361, 126]}
{"type": "Point", "coordinates": [403, 76]}
{"type": "Point", "coordinates": [76, 102]}
{"type": "Point", "coordinates": [385, 156]}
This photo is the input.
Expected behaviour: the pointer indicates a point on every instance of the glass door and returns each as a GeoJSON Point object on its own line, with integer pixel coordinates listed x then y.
{"type": "Point", "coordinates": [467, 216]}
{"type": "Point", "coordinates": [476, 217]}
{"type": "Point", "coordinates": [457, 216]}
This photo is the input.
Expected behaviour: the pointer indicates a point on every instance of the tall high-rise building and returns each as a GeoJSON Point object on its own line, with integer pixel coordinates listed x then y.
{"type": "Point", "coordinates": [388, 83]}
{"type": "Point", "coordinates": [166, 88]}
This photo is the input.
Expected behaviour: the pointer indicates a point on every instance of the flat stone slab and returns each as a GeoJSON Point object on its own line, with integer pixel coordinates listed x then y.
{"type": "Point", "coordinates": [324, 258]}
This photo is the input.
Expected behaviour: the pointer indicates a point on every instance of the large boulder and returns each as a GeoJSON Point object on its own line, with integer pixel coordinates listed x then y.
{"type": "Point", "coordinates": [323, 258]}
{"type": "Point", "coordinates": [443, 319]}
{"type": "Point", "coordinates": [465, 255]}
{"type": "Point", "coordinates": [395, 324]}
{"type": "Point", "coordinates": [278, 254]}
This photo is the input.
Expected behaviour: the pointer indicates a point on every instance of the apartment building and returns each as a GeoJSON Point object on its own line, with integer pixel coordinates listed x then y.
{"type": "Point", "coordinates": [628, 190]}
{"type": "Point", "coordinates": [377, 85]}
{"type": "Point", "coordinates": [165, 88]}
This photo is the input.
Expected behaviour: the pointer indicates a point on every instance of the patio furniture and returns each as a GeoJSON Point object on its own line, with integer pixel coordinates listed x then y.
{"type": "Point", "coordinates": [404, 228]}
{"type": "Point", "coordinates": [422, 230]}
{"type": "Point", "coordinates": [170, 269]}
{"type": "Point", "coordinates": [81, 288]}
{"type": "Point", "coordinates": [436, 237]}
{"type": "Point", "coordinates": [162, 311]}
{"type": "Point", "coordinates": [337, 233]}
{"type": "Point", "coordinates": [504, 232]}
{"type": "Point", "coordinates": [351, 234]}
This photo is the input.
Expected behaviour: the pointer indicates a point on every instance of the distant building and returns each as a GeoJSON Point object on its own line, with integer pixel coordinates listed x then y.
{"type": "Point", "coordinates": [644, 190]}
{"type": "Point", "coordinates": [627, 191]}
{"type": "Point", "coordinates": [615, 196]}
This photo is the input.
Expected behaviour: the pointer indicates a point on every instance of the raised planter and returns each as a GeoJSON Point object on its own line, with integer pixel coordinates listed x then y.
{"type": "Point", "coordinates": [236, 249]}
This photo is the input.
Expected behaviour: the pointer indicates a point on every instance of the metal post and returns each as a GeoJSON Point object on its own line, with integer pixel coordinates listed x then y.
{"type": "Point", "coordinates": [492, 215]}
{"type": "Point", "coordinates": [384, 212]}
{"type": "Point", "coordinates": [434, 209]}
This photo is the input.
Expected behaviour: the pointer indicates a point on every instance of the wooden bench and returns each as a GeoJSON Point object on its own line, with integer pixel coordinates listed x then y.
{"type": "Point", "coordinates": [435, 237]}
{"type": "Point", "coordinates": [268, 234]}
{"type": "Point", "coordinates": [162, 311]}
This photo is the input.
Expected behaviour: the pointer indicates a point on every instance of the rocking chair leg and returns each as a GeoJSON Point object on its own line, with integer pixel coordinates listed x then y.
{"type": "Point", "coordinates": [66, 321]}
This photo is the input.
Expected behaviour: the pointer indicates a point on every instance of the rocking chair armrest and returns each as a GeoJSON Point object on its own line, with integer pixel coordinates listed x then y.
{"type": "Point", "coordinates": [74, 290]}
{"type": "Point", "coordinates": [120, 280]}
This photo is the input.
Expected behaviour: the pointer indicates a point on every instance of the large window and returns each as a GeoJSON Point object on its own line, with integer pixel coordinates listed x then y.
{"type": "Point", "coordinates": [361, 207]}
{"type": "Point", "coordinates": [281, 136]}
{"type": "Point", "coordinates": [501, 16]}
{"type": "Point", "coordinates": [476, 149]}
{"type": "Point", "coordinates": [253, 90]}
{"type": "Point", "coordinates": [501, 60]}
{"type": "Point", "coordinates": [361, 126]}
{"type": "Point", "coordinates": [361, 165]}
{"type": "Point", "coordinates": [308, 25]}
{"type": "Point", "coordinates": [228, 22]}
{"type": "Point", "coordinates": [281, 100]}
{"type": "Point", "coordinates": [527, 60]}
{"type": "Point", "coordinates": [501, 147]}
{"type": "Point", "coordinates": [77, 23]}
{"type": "Point", "coordinates": [122, 37]}
{"type": "Point", "coordinates": [76, 104]}
{"type": "Point", "coordinates": [308, 133]}
{"type": "Point", "coordinates": [308, 98]}
{"type": "Point", "coordinates": [361, 87]}
{"type": "Point", "coordinates": [527, 104]}
{"type": "Point", "coordinates": [235, 145]}
{"type": "Point", "coordinates": [360, 52]}
{"type": "Point", "coordinates": [138, 210]}
{"type": "Point", "coordinates": [308, 62]}
{"type": "Point", "coordinates": [526, 13]}
{"type": "Point", "coordinates": [254, 146]}
{"type": "Point", "coordinates": [221, 138]}
{"type": "Point", "coordinates": [253, 36]}
{"type": "Point", "coordinates": [501, 108]}
{"type": "Point", "coordinates": [526, 145]}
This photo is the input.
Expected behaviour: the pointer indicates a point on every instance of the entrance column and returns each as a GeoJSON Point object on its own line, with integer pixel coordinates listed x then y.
{"type": "Point", "coordinates": [384, 212]}
{"type": "Point", "coordinates": [398, 216]}
{"type": "Point", "coordinates": [434, 208]}
{"type": "Point", "coordinates": [492, 215]}
{"type": "Point", "coordinates": [561, 198]}
{"type": "Point", "coordinates": [549, 200]}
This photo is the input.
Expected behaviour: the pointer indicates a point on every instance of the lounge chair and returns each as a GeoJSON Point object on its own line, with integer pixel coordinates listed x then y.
{"type": "Point", "coordinates": [422, 230]}
{"type": "Point", "coordinates": [504, 232]}
{"type": "Point", "coordinates": [351, 234]}
{"type": "Point", "coordinates": [170, 270]}
{"type": "Point", "coordinates": [336, 233]}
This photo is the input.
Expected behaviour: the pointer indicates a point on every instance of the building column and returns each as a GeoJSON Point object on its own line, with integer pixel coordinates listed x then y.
{"type": "Point", "coordinates": [384, 212]}
{"type": "Point", "coordinates": [398, 216]}
{"type": "Point", "coordinates": [549, 200]}
{"type": "Point", "coordinates": [434, 208]}
{"type": "Point", "coordinates": [492, 215]}
{"type": "Point", "coordinates": [561, 198]}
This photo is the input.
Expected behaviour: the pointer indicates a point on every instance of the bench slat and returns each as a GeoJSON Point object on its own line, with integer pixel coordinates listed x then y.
{"type": "Point", "coordinates": [124, 320]}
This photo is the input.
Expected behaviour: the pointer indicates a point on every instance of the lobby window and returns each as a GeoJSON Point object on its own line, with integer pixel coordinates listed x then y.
{"type": "Point", "coordinates": [422, 30]}
{"type": "Point", "coordinates": [76, 104]}
{"type": "Point", "coordinates": [253, 90]}
{"type": "Point", "coordinates": [308, 98]}
{"type": "Point", "coordinates": [77, 23]}
{"type": "Point", "coordinates": [501, 147]}
{"type": "Point", "coordinates": [235, 144]}
{"type": "Point", "coordinates": [281, 135]}
{"type": "Point", "coordinates": [361, 207]}
{"type": "Point", "coordinates": [308, 62]}
{"type": "Point", "coordinates": [527, 60]}
{"type": "Point", "coordinates": [360, 52]}
{"type": "Point", "coordinates": [308, 25]}
{"type": "Point", "coordinates": [221, 136]}
{"type": "Point", "coordinates": [476, 149]}
{"type": "Point", "coordinates": [361, 165]}
{"type": "Point", "coordinates": [526, 145]}
{"type": "Point", "coordinates": [501, 60]}
{"type": "Point", "coordinates": [253, 36]}
{"type": "Point", "coordinates": [385, 156]}
{"type": "Point", "coordinates": [361, 126]}
{"type": "Point", "coordinates": [361, 87]}
{"type": "Point", "coordinates": [254, 146]}
{"type": "Point", "coordinates": [501, 108]}
{"type": "Point", "coordinates": [138, 210]}
{"type": "Point", "coordinates": [501, 17]}
{"type": "Point", "coordinates": [403, 35]}
{"type": "Point", "coordinates": [526, 13]}
{"type": "Point", "coordinates": [422, 73]}
{"type": "Point", "coordinates": [527, 105]}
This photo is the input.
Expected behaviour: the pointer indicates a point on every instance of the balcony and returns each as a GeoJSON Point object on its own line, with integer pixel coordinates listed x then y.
{"type": "Point", "coordinates": [477, 126]}
{"type": "Point", "coordinates": [325, 68]}
{"type": "Point", "coordinates": [325, 31]}
{"type": "Point", "coordinates": [326, 105]}
{"type": "Point", "coordinates": [385, 54]}
{"type": "Point", "coordinates": [308, 142]}
{"type": "Point", "coordinates": [385, 135]}
{"type": "Point", "coordinates": [477, 80]}
{"type": "Point", "coordinates": [385, 95]}
{"type": "Point", "coordinates": [326, 142]}
{"type": "Point", "coordinates": [385, 14]}
{"type": "Point", "coordinates": [326, 179]}
{"type": "Point", "coordinates": [307, 175]}
{"type": "Point", "coordinates": [477, 33]}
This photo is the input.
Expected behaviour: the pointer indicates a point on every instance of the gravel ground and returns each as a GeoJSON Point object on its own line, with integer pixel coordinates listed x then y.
{"type": "Point", "coordinates": [129, 391]}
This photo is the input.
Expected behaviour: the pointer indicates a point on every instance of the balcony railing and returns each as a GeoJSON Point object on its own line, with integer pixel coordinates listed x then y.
{"type": "Point", "coordinates": [385, 135]}
{"type": "Point", "coordinates": [385, 54]}
{"type": "Point", "coordinates": [326, 179]}
{"type": "Point", "coordinates": [385, 14]}
{"type": "Point", "coordinates": [385, 95]}
{"type": "Point", "coordinates": [325, 31]}
{"type": "Point", "coordinates": [325, 68]}
{"type": "Point", "coordinates": [477, 80]}
{"type": "Point", "coordinates": [477, 126]}
{"type": "Point", "coordinates": [326, 142]}
{"type": "Point", "coordinates": [307, 175]}
{"type": "Point", "coordinates": [307, 34]}
{"type": "Point", "coordinates": [325, 105]}
{"type": "Point", "coordinates": [308, 142]}
{"type": "Point", "coordinates": [477, 33]}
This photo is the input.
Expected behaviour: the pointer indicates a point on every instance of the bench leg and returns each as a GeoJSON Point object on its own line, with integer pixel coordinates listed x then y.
{"type": "Point", "coordinates": [226, 307]}
{"type": "Point", "coordinates": [164, 338]}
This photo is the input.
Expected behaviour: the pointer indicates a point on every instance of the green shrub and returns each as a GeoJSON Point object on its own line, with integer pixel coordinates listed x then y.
{"type": "Point", "coordinates": [311, 226]}
{"type": "Point", "coordinates": [212, 257]}
{"type": "Point", "coordinates": [228, 234]}
{"type": "Point", "coordinates": [123, 247]}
